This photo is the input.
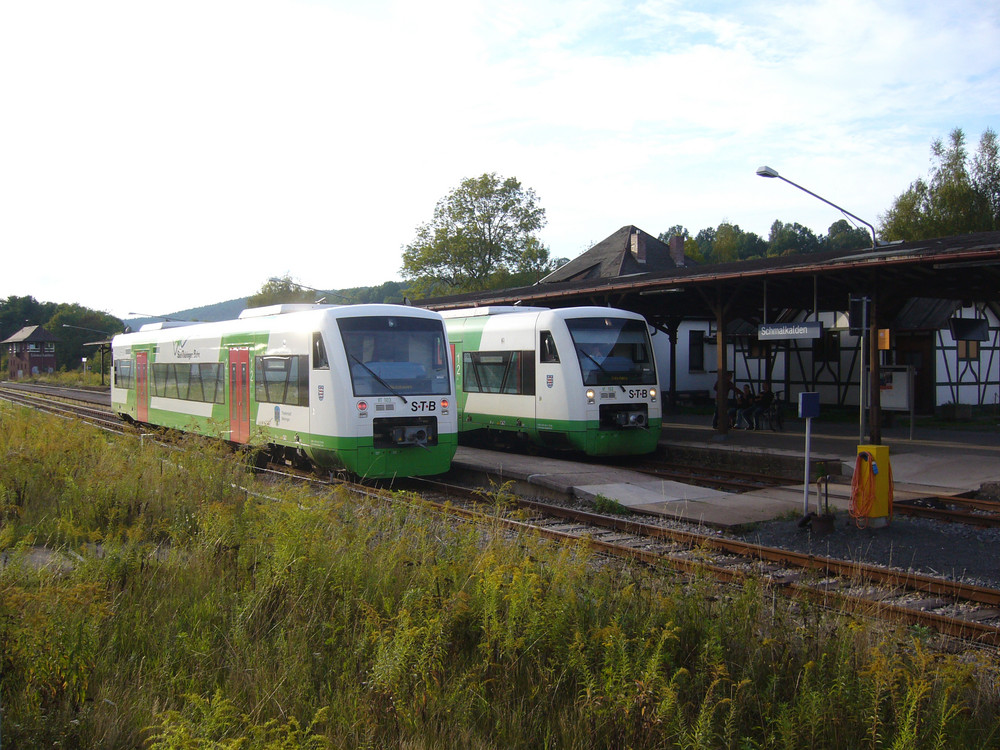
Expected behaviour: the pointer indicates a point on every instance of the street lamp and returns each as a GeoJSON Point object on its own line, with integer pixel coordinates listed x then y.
{"type": "Point", "coordinates": [769, 172]}
{"type": "Point", "coordinates": [873, 375]}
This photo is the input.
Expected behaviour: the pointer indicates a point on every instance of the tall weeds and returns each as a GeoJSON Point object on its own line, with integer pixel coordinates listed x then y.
{"type": "Point", "coordinates": [174, 607]}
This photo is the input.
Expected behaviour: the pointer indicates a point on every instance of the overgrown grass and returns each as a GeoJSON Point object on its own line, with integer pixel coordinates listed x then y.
{"type": "Point", "coordinates": [210, 616]}
{"type": "Point", "coordinates": [75, 378]}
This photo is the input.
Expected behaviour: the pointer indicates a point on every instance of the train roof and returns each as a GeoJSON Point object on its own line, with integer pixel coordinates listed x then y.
{"type": "Point", "coordinates": [296, 317]}
{"type": "Point", "coordinates": [475, 312]}
{"type": "Point", "coordinates": [558, 312]}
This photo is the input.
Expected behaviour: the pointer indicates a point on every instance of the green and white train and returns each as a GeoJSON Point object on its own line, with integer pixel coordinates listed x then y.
{"type": "Point", "coordinates": [366, 388]}
{"type": "Point", "coordinates": [582, 378]}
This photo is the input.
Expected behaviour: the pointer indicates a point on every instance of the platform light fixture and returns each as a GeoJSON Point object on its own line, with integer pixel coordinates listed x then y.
{"type": "Point", "coordinates": [769, 172]}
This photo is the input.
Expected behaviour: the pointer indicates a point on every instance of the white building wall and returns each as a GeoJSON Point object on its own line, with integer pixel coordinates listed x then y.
{"type": "Point", "coordinates": [975, 382]}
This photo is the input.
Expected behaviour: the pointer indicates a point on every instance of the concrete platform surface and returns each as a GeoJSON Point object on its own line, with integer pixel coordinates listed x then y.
{"type": "Point", "coordinates": [955, 463]}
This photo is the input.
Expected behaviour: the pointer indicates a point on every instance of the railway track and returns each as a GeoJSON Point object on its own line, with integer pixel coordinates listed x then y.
{"type": "Point", "coordinates": [65, 403]}
{"type": "Point", "coordinates": [714, 478]}
{"type": "Point", "coordinates": [959, 610]}
{"type": "Point", "coordinates": [972, 511]}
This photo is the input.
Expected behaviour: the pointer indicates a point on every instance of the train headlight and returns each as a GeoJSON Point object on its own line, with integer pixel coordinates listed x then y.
{"type": "Point", "coordinates": [652, 394]}
{"type": "Point", "coordinates": [444, 403]}
{"type": "Point", "coordinates": [590, 395]}
{"type": "Point", "coordinates": [362, 406]}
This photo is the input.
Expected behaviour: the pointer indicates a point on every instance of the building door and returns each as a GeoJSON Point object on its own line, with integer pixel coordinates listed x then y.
{"type": "Point", "coordinates": [239, 395]}
{"type": "Point", "coordinates": [142, 386]}
{"type": "Point", "coordinates": [918, 350]}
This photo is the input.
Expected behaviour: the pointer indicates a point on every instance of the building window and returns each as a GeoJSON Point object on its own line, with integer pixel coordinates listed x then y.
{"type": "Point", "coordinates": [826, 348]}
{"type": "Point", "coordinates": [696, 351]}
{"type": "Point", "coordinates": [968, 351]}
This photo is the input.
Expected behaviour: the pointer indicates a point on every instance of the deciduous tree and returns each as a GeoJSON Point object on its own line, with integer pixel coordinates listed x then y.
{"type": "Point", "coordinates": [959, 197]}
{"type": "Point", "coordinates": [281, 291]}
{"type": "Point", "coordinates": [482, 235]}
{"type": "Point", "coordinates": [789, 239]}
{"type": "Point", "coordinates": [842, 236]}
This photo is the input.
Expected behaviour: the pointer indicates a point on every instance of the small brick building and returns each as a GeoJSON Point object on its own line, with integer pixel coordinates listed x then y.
{"type": "Point", "coordinates": [30, 351]}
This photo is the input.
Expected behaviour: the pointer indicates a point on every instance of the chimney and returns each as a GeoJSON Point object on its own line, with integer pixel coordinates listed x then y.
{"type": "Point", "coordinates": [677, 250]}
{"type": "Point", "coordinates": [639, 246]}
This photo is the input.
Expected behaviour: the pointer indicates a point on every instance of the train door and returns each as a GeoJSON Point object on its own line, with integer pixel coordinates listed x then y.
{"type": "Point", "coordinates": [142, 386]}
{"type": "Point", "coordinates": [239, 395]}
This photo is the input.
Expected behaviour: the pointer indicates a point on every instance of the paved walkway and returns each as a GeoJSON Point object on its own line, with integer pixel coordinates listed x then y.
{"type": "Point", "coordinates": [938, 462]}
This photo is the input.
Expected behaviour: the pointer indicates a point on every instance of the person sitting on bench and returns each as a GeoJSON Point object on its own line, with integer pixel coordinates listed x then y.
{"type": "Point", "coordinates": [760, 406]}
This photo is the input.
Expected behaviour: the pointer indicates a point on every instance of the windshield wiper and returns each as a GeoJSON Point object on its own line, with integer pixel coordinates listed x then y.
{"type": "Point", "coordinates": [384, 384]}
{"type": "Point", "coordinates": [599, 365]}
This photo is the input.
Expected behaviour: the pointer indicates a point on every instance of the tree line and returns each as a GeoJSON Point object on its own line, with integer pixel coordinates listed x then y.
{"type": "Point", "coordinates": [74, 326]}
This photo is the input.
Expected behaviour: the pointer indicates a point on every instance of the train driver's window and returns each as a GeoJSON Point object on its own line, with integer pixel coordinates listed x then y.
{"type": "Point", "coordinates": [320, 360]}
{"type": "Point", "coordinates": [547, 348]}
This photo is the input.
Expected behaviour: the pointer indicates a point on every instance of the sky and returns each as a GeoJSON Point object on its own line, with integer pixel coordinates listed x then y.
{"type": "Point", "coordinates": [157, 156]}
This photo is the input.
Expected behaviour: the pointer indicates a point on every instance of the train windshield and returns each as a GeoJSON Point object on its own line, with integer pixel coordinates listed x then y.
{"type": "Point", "coordinates": [613, 351]}
{"type": "Point", "coordinates": [396, 356]}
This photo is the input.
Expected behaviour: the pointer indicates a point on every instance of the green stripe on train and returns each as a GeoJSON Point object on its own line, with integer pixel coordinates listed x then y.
{"type": "Point", "coordinates": [584, 435]}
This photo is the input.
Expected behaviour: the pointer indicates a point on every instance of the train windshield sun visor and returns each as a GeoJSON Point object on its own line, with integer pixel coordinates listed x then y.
{"type": "Point", "coordinates": [613, 351]}
{"type": "Point", "coordinates": [396, 356]}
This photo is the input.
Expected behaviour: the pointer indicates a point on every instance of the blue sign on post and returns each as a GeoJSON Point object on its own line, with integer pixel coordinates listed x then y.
{"type": "Point", "coordinates": [808, 408]}
{"type": "Point", "coordinates": [808, 405]}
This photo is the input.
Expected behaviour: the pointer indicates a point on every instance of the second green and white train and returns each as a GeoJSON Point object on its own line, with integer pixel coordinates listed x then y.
{"type": "Point", "coordinates": [582, 378]}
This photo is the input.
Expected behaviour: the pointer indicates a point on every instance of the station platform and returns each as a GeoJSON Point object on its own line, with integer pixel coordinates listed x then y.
{"type": "Point", "coordinates": [932, 463]}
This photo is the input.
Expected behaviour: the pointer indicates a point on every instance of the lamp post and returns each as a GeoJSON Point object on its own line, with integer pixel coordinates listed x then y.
{"type": "Point", "coordinates": [873, 381]}
{"type": "Point", "coordinates": [768, 172]}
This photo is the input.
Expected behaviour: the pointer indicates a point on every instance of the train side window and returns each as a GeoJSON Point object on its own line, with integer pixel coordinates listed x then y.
{"type": "Point", "coordinates": [282, 379]}
{"type": "Point", "coordinates": [123, 373]}
{"type": "Point", "coordinates": [320, 360]}
{"type": "Point", "coordinates": [547, 352]}
{"type": "Point", "coordinates": [510, 372]}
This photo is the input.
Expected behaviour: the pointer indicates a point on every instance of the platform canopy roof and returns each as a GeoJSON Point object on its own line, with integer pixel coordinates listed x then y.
{"type": "Point", "coordinates": [965, 268]}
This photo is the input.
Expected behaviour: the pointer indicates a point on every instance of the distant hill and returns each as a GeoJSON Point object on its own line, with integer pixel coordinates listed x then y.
{"type": "Point", "coordinates": [205, 314]}
{"type": "Point", "coordinates": [388, 292]}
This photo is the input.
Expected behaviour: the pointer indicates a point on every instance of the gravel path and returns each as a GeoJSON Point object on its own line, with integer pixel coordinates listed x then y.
{"type": "Point", "coordinates": [956, 551]}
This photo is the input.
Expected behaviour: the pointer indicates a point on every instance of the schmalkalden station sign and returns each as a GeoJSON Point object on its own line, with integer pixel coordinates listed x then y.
{"type": "Point", "coordinates": [772, 331]}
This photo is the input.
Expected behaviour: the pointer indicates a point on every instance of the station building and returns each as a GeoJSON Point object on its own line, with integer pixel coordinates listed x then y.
{"type": "Point", "coordinates": [30, 351]}
{"type": "Point", "coordinates": [925, 325]}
